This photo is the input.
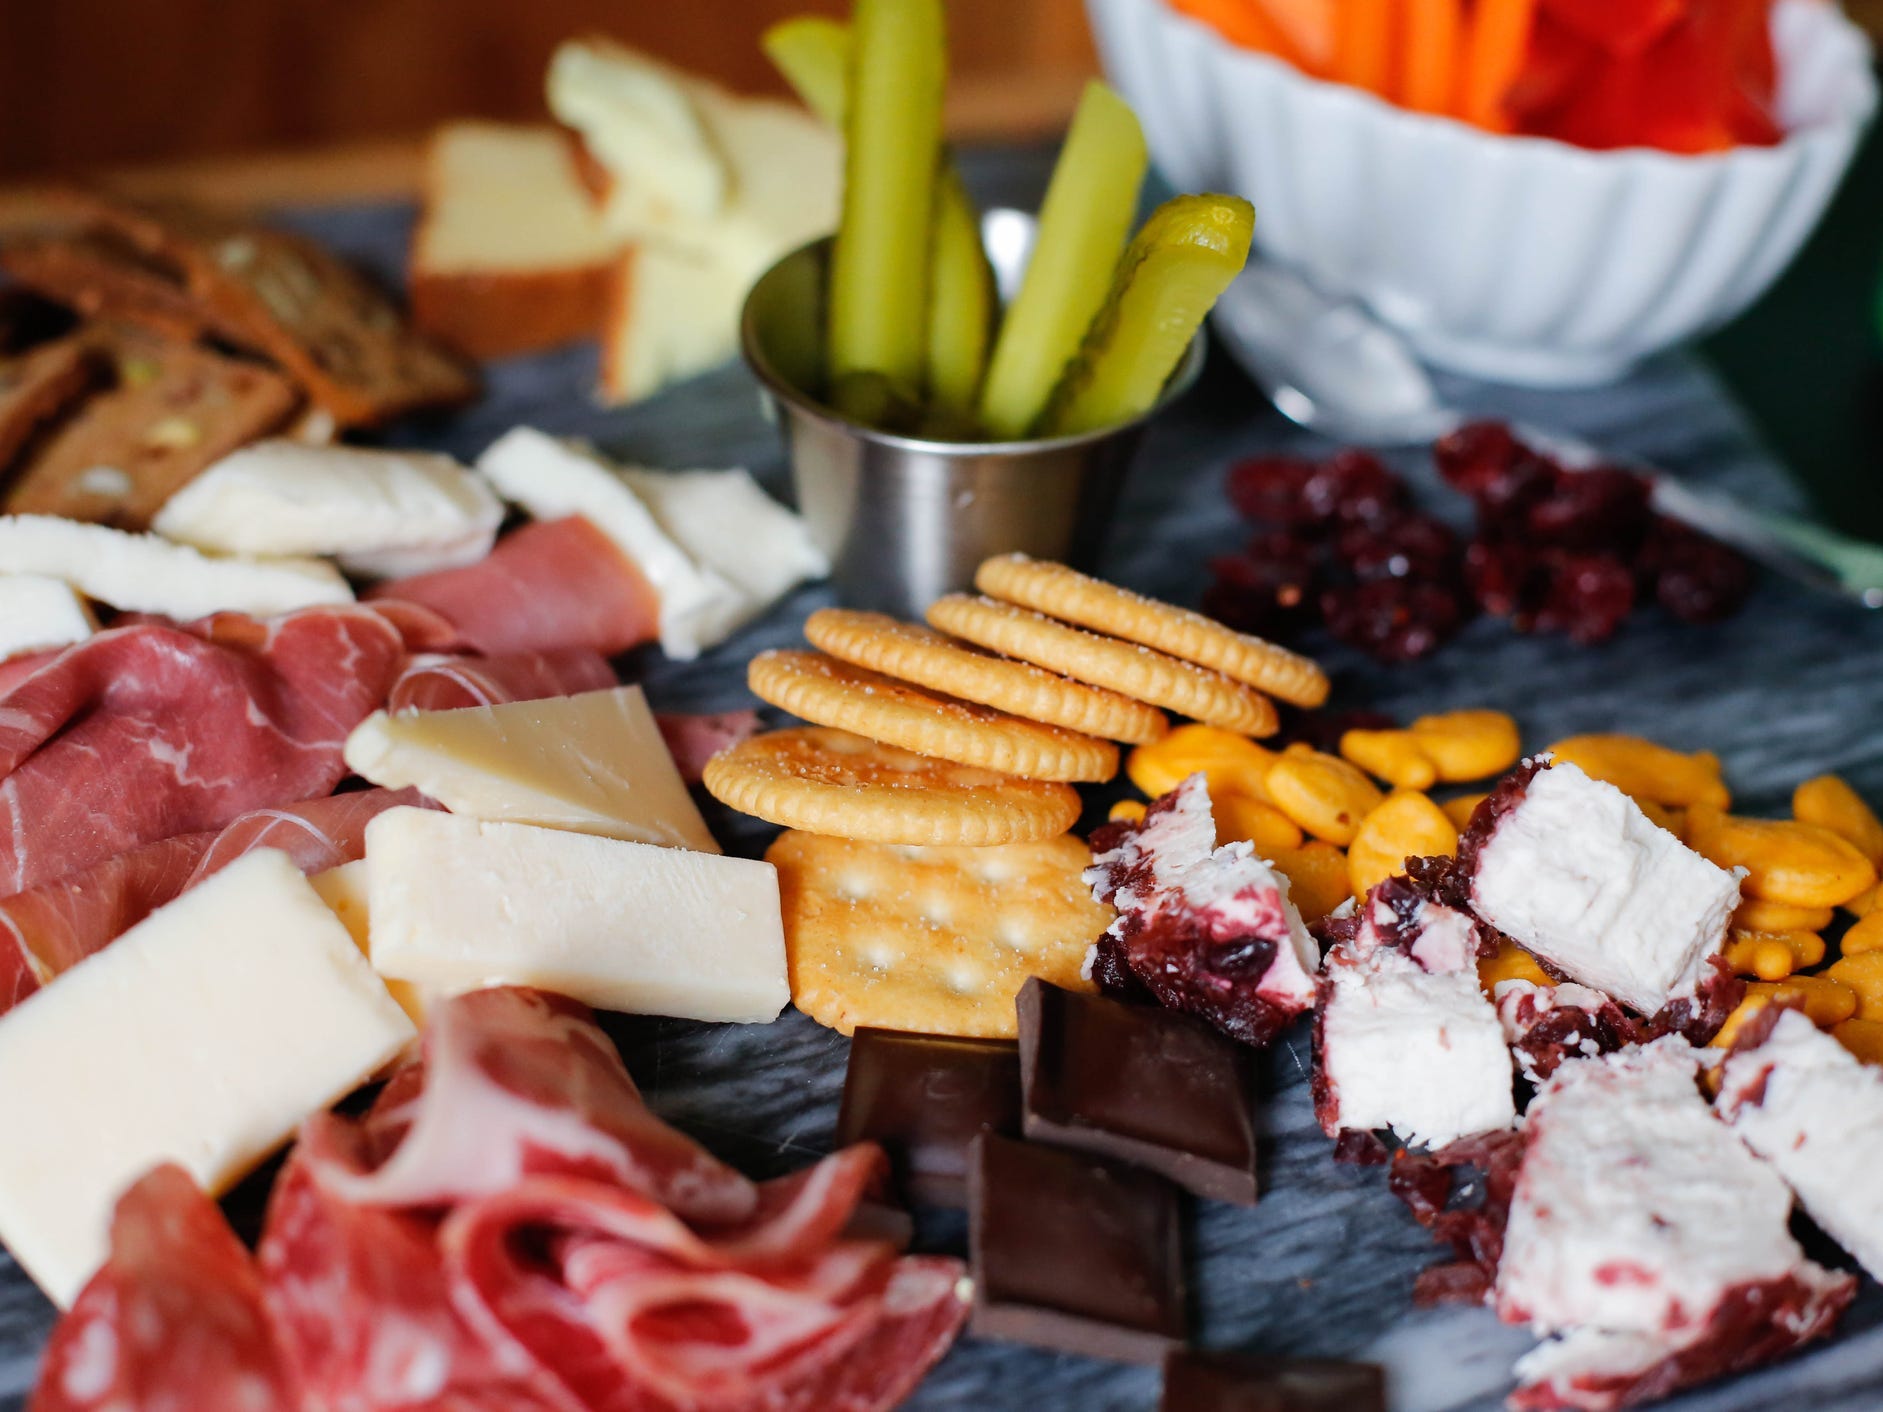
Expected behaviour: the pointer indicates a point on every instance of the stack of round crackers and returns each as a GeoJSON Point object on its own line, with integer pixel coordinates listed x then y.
{"type": "Point", "coordinates": [928, 872]}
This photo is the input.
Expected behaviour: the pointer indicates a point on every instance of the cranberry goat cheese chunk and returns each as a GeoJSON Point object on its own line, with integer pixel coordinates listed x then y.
{"type": "Point", "coordinates": [1637, 1211]}
{"type": "Point", "coordinates": [1405, 1038]}
{"type": "Point", "coordinates": [1574, 871]}
{"type": "Point", "coordinates": [1808, 1106]}
{"type": "Point", "coordinates": [1548, 1024]}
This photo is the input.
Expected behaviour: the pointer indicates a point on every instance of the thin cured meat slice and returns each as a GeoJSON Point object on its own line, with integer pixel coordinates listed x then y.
{"type": "Point", "coordinates": [546, 587]}
{"type": "Point", "coordinates": [15, 670]}
{"type": "Point", "coordinates": [692, 740]}
{"type": "Point", "coordinates": [58, 924]}
{"type": "Point", "coordinates": [514, 1083]}
{"type": "Point", "coordinates": [173, 1322]}
{"type": "Point", "coordinates": [447, 682]}
{"type": "Point", "coordinates": [146, 732]}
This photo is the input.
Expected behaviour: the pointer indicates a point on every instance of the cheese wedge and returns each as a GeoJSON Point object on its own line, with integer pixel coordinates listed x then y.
{"type": "Point", "coordinates": [457, 904]}
{"type": "Point", "coordinates": [202, 1036]}
{"type": "Point", "coordinates": [384, 514]}
{"type": "Point", "coordinates": [726, 521]}
{"type": "Point", "coordinates": [343, 889]}
{"type": "Point", "coordinates": [37, 613]}
{"type": "Point", "coordinates": [592, 763]}
{"type": "Point", "coordinates": [670, 314]}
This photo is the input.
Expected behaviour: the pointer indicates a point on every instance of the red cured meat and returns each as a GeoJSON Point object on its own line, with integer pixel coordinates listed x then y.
{"type": "Point", "coordinates": [15, 670]}
{"type": "Point", "coordinates": [173, 1322]}
{"type": "Point", "coordinates": [692, 740]}
{"type": "Point", "coordinates": [146, 732]}
{"type": "Point", "coordinates": [60, 923]}
{"type": "Point", "coordinates": [546, 587]}
{"type": "Point", "coordinates": [439, 682]}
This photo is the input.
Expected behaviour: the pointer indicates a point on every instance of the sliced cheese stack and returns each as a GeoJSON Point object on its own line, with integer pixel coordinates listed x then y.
{"type": "Point", "coordinates": [203, 1036]}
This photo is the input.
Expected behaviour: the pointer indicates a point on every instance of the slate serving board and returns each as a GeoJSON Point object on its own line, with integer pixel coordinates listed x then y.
{"type": "Point", "coordinates": [1324, 1264]}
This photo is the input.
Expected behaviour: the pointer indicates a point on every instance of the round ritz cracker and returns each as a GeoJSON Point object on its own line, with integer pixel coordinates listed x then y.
{"type": "Point", "coordinates": [833, 693]}
{"type": "Point", "coordinates": [1128, 667]}
{"type": "Point", "coordinates": [1077, 598]}
{"type": "Point", "coordinates": [913, 653]}
{"type": "Point", "coordinates": [931, 940]}
{"type": "Point", "coordinates": [832, 782]}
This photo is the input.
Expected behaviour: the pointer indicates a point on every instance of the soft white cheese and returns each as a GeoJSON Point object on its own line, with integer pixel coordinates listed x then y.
{"type": "Point", "coordinates": [37, 613]}
{"type": "Point", "coordinates": [146, 573]}
{"type": "Point", "coordinates": [1810, 1108]}
{"type": "Point", "coordinates": [1636, 1209]}
{"type": "Point", "coordinates": [726, 521]}
{"type": "Point", "coordinates": [384, 514]}
{"type": "Point", "coordinates": [1521, 1004]}
{"type": "Point", "coordinates": [1578, 875]}
{"type": "Point", "coordinates": [551, 479]}
{"type": "Point", "coordinates": [202, 1036]}
{"type": "Point", "coordinates": [457, 904]}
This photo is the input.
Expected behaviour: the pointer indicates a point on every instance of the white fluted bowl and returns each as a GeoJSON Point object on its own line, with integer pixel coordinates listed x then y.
{"type": "Point", "coordinates": [1513, 258]}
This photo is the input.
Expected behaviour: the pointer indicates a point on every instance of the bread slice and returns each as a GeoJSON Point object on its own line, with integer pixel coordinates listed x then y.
{"type": "Point", "coordinates": [510, 255]}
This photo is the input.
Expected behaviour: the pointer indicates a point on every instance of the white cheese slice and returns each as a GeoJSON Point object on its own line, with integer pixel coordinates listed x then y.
{"type": "Point", "coordinates": [146, 573]}
{"type": "Point", "coordinates": [552, 479]}
{"type": "Point", "coordinates": [203, 1036]}
{"type": "Point", "coordinates": [457, 904]}
{"type": "Point", "coordinates": [672, 313]}
{"type": "Point", "coordinates": [594, 763]}
{"type": "Point", "coordinates": [1577, 874]}
{"type": "Point", "coordinates": [344, 890]}
{"type": "Point", "coordinates": [383, 513]}
{"type": "Point", "coordinates": [725, 520]}
{"type": "Point", "coordinates": [1808, 1106]}
{"type": "Point", "coordinates": [37, 613]}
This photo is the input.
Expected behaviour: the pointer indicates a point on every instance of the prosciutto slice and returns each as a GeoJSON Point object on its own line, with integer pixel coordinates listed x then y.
{"type": "Point", "coordinates": [444, 682]}
{"type": "Point", "coordinates": [693, 740]}
{"type": "Point", "coordinates": [149, 731]}
{"type": "Point", "coordinates": [547, 587]}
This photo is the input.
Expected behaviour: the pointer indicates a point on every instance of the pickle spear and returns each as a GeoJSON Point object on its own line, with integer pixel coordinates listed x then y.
{"type": "Point", "coordinates": [880, 269]}
{"type": "Point", "coordinates": [813, 53]}
{"type": "Point", "coordinates": [1083, 224]}
{"type": "Point", "coordinates": [1170, 277]}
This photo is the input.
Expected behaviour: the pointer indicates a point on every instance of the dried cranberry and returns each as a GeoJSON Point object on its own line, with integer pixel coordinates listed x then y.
{"type": "Point", "coordinates": [1588, 598]}
{"type": "Point", "coordinates": [1323, 729]}
{"type": "Point", "coordinates": [1246, 958]}
{"type": "Point", "coordinates": [1268, 589]}
{"type": "Point", "coordinates": [1600, 508]}
{"type": "Point", "coordinates": [1355, 487]}
{"type": "Point", "coordinates": [1394, 620]}
{"type": "Point", "coordinates": [1271, 490]}
{"type": "Point", "coordinates": [1506, 580]}
{"type": "Point", "coordinates": [1475, 455]}
{"type": "Point", "coordinates": [1504, 504]}
{"type": "Point", "coordinates": [1697, 579]}
{"type": "Point", "coordinates": [1409, 546]}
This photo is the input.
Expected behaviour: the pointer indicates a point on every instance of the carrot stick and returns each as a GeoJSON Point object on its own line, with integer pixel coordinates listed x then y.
{"type": "Point", "coordinates": [1429, 67]}
{"type": "Point", "coordinates": [1310, 27]}
{"type": "Point", "coordinates": [1241, 22]}
{"type": "Point", "coordinates": [1494, 59]}
{"type": "Point", "coordinates": [1363, 54]}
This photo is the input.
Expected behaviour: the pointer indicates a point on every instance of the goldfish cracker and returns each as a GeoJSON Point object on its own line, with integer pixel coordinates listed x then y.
{"type": "Point", "coordinates": [1469, 745]}
{"type": "Point", "coordinates": [1863, 904]}
{"type": "Point", "coordinates": [1866, 936]}
{"type": "Point", "coordinates": [1325, 795]}
{"type": "Point", "coordinates": [1127, 811]}
{"type": "Point", "coordinates": [1510, 962]}
{"type": "Point", "coordinates": [1735, 1022]}
{"type": "Point", "coordinates": [1407, 825]}
{"type": "Point", "coordinates": [1772, 956]}
{"type": "Point", "coordinates": [1225, 759]}
{"type": "Point", "coordinates": [1800, 865]}
{"type": "Point", "coordinates": [1863, 973]}
{"type": "Point", "coordinates": [1825, 1000]}
{"type": "Point", "coordinates": [1757, 915]}
{"type": "Point", "coordinates": [1643, 770]}
{"type": "Point", "coordinates": [1460, 810]}
{"type": "Point", "coordinates": [1832, 804]}
{"type": "Point", "coordinates": [1863, 1038]}
{"type": "Point", "coordinates": [1393, 756]}
{"type": "Point", "coordinates": [1240, 818]}
{"type": "Point", "coordinates": [1317, 877]}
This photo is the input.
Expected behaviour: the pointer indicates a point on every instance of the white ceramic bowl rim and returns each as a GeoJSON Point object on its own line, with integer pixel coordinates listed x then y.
{"type": "Point", "coordinates": [1820, 27]}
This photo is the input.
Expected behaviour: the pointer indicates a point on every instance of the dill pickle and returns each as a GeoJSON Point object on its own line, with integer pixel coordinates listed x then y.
{"type": "Point", "coordinates": [813, 53]}
{"type": "Point", "coordinates": [1086, 217]}
{"type": "Point", "coordinates": [961, 305]}
{"type": "Point", "coordinates": [1170, 277]}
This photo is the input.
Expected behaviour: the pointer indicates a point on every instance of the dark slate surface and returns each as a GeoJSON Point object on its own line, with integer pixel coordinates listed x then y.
{"type": "Point", "coordinates": [1324, 1265]}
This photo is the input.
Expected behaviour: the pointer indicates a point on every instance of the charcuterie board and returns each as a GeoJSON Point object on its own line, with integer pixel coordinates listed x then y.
{"type": "Point", "coordinates": [1324, 1263]}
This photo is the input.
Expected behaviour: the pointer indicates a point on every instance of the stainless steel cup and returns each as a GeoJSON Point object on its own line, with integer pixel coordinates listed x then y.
{"type": "Point", "coordinates": [905, 519]}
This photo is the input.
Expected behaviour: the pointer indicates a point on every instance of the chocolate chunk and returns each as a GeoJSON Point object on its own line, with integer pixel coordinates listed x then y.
{"type": "Point", "coordinates": [1074, 1255]}
{"type": "Point", "coordinates": [1241, 1382]}
{"type": "Point", "coordinates": [924, 1097]}
{"type": "Point", "coordinates": [1139, 1083]}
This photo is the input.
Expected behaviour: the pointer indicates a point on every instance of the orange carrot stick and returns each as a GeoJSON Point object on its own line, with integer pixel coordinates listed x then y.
{"type": "Point", "coordinates": [1241, 22]}
{"type": "Point", "coordinates": [1494, 59]}
{"type": "Point", "coordinates": [1363, 54]}
{"type": "Point", "coordinates": [1430, 54]}
{"type": "Point", "coordinates": [1312, 28]}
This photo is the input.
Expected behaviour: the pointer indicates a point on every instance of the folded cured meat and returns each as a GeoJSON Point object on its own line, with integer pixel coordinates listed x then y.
{"type": "Point", "coordinates": [1202, 929]}
{"type": "Point", "coordinates": [436, 681]}
{"type": "Point", "coordinates": [1404, 1036]}
{"type": "Point", "coordinates": [1574, 871]}
{"type": "Point", "coordinates": [1803, 1102]}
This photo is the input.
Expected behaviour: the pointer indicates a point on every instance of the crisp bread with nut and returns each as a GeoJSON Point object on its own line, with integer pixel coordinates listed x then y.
{"type": "Point", "coordinates": [37, 386]}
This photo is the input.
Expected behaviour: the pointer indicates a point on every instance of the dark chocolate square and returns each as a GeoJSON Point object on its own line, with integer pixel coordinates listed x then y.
{"type": "Point", "coordinates": [924, 1097]}
{"type": "Point", "coordinates": [1244, 1382]}
{"type": "Point", "coordinates": [1073, 1254]}
{"type": "Point", "coordinates": [1141, 1084]}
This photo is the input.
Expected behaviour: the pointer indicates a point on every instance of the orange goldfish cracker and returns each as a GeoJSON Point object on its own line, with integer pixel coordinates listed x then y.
{"type": "Point", "coordinates": [1863, 904]}
{"type": "Point", "coordinates": [1240, 818]}
{"type": "Point", "coordinates": [1642, 769]}
{"type": "Point", "coordinates": [1129, 810]}
{"type": "Point", "coordinates": [1469, 745]}
{"type": "Point", "coordinates": [1460, 810]}
{"type": "Point", "coordinates": [1863, 973]}
{"type": "Point", "coordinates": [1406, 825]}
{"type": "Point", "coordinates": [1866, 936]}
{"type": "Point", "coordinates": [1735, 1022]}
{"type": "Point", "coordinates": [1772, 956]}
{"type": "Point", "coordinates": [1863, 1038]}
{"type": "Point", "coordinates": [1757, 915]}
{"type": "Point", "coordinates": [1510, 962]}
{"type": "Point", "coordinates": [1832, 804]}
{"type": "Point", "coordinates": [1824, 1000]}
{"type": "Point", "coordinates": [1800, 865]}
{"type": "Point", "coordinates": [1227, 761]}
{"type": "Point", "coordinates": [1393, 756]}
{"type": "Point", "coordinates": [1325, 795]}
{"type": "Point", "coordinates": [1317, 877]}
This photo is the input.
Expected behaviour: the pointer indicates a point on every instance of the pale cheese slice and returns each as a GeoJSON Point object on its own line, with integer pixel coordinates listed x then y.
{"type": "Point", "coordinates": [202, 1036]}
{"type": "Point", "coordinates": [593, 763]}
{"type": "Point", "coordinates": [458, 904]}
{"type": "Point", "coordinates": [38, 613]}
{"type": "Point", "coordinates": [672, 313]}
{"type": "Point", "coordinates": [727, 521]}
{"type": "Point", "coordinates": [343, 889]}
